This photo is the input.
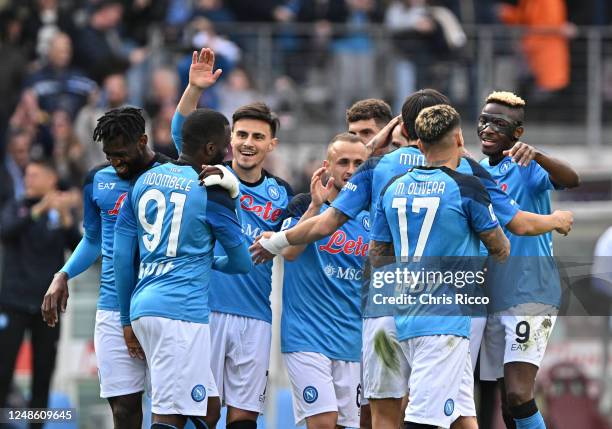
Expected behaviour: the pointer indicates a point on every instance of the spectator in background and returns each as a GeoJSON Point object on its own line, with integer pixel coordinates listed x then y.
{"type": "Point", "coordinates": [199, 34]}
{"type": "Point", "coordinates": [67, 151]}
{"type": "Point", "coordinates": [237, 90]}
{"type": "Point", "coordinates": [213, 10]}
{"type": "Point", "coordinates": [254, 11]}
{"type": "Point", "coordinates": [12, 70]}
{"type": "Point", "coordinates": [162, 135]}
{"type": "Point", "coordinates": [422, 36]}
{"type": "Point", "coordinates": [30, 118]}
{"type": "Point", "coordinates": [546, 47]}
{"type": "Point", "coordinates": [140, 16]}
{"type": "Point", "coordinates": [46, 18]}
{"type": "Point", "coordinates": [58, 86]}
{"type": "Point", "coordinates": [163, 90]}
{"type": "Point", "coordinates": [14, 165]}
{"type": "Point", "coordinates": [114, 95]}
{"type": "Point", "coordinates": [355, 55]}
{"type": "Point", "coordinates": [100, 51]}
{"type": "Point", "coordinates": [36, 231]}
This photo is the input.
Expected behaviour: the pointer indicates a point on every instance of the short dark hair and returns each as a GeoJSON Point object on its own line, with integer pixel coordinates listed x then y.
{"type": "Point", "coordinates": [433, 123]}
{"type": "Point", "coordinates": [370, 108]}
{"type": "Point", "coordinates": [258, 111]}
{"type": "Point", "coordinates": [125, 122]}
{"type": "Point", "coordinates": [46, 163]}
{"type": "Point", "coordinates": [202, 126]}
{"type": "Point", "coordinates": [416, 102]}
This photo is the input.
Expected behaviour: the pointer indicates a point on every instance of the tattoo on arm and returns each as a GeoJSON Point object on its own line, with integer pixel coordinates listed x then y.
{"type": "Point", "coordinates": [338, 216]}
{"type": "Point", "coordinates": [496, 242]}
{"type": "Point", "coordinates": [380, 253]}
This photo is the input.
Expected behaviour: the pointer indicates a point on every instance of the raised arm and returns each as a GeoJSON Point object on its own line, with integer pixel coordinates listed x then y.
{"type": "Point", "coordinates": [318, 195]}
{"type": "Point", "coordinates": [201, 76]}
{"type": "Point", "coordinates": [561, 173]}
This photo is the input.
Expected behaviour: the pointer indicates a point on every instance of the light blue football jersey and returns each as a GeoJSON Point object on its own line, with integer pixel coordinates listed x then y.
{"type": "Point", "coordinates": [530, 274]}
{"type": "Point", "coordinates": [176, 223]}
{"type": "Point", "coordinates": [264, 206]}
{"type": "Point", "coordinates": [433, 212]}
{"type": "Point", "coordinates": [103, 194]}
{"type": "Point", "coordinates": [322, 287]}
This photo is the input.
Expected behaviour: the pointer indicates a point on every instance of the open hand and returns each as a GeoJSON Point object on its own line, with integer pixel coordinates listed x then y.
{"type": "Point", "coordinates": [201, 73]}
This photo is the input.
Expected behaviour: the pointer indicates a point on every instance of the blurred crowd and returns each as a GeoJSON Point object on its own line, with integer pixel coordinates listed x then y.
{"type": "Point", "coordinates": [65, 62]}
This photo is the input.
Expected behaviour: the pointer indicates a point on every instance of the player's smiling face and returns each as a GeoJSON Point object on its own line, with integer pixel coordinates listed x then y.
{"type": "Point", "coordinates": [365, 129]}
{"type": "Point", "coordinates": [497, 126]}
{"type": "Point", "coordinates": [343, 160]}
{"type": "Point", "coordinates": [126, 159]}
{"type": "Point", "coordinates": [251, 141]}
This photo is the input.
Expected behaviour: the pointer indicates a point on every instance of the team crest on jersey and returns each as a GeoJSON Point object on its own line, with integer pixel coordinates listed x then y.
{"type": "Point", "coordinates": [310, 394]}
{"type": "Point", "coordinates": [273, 192]}
{"type": "Point", "coordinates": [505, 166]}
{"type": "Point", "coordinates": [449, 407]}
{"type": "Point", "coordinates": [365, 222]}
{"type": "Point", "coordinates": [198, 393]}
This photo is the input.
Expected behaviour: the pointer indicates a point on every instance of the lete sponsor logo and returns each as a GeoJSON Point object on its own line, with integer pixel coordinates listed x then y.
{"type": "Point", "coordinates": [338, 243]}
{"type": "Point", "coordinates": [267, 212]}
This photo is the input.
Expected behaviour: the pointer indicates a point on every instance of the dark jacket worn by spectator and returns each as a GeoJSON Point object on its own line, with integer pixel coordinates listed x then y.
{"type": "Point", "coordinates": [33, 251]}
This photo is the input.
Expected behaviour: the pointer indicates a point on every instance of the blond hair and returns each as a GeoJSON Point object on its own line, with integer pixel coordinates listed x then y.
{"type": "Point", "coordinates": [435, 122]}
{"type": "Point", "coordinates": [506, 98]}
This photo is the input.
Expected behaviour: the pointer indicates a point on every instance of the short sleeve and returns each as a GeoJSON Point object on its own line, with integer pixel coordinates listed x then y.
{"type": "Point", "coordinates": [356, 195]}
{"type": "Point", "coordinates": [381, 230]}
{"type": "Point", "coordinates": [477, 205]}
{"type": "Point", "coordinates": [222, 218]}
{"type": "Point", "coordinates": [537, 178]}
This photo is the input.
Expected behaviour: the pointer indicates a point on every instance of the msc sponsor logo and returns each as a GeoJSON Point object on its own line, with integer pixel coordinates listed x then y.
{"type": "Point", "coordinates": [310, 394]}
{"type": "Point", "coordinates": [267, 212]}
{"type": "Point", "coordinates": [338, 243]}
{"type": "Point", "coordinates": [449, 407]}
{"type": "Point", "coordinates": [106, 185]}
{"type": "Point", "coordinates": [344, 273]}
{"type": "Point", "coordinates": [251, 231]}
{"type": "Point", "coordinates": [350, 187]}
{"type": "Point", "coordinates": [198, 393]}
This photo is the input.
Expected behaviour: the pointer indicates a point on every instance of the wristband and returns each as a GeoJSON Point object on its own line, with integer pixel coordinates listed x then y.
{"type": "Point", "coordinates": [276, 243]}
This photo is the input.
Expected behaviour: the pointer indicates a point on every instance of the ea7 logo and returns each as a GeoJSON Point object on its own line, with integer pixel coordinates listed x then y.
{"type": "Point", "coordinates": [519, 347]}
{"type": "Point", "coordinates": [104, 185]}
{"type": "Point", "coordinates": [118, 204]}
